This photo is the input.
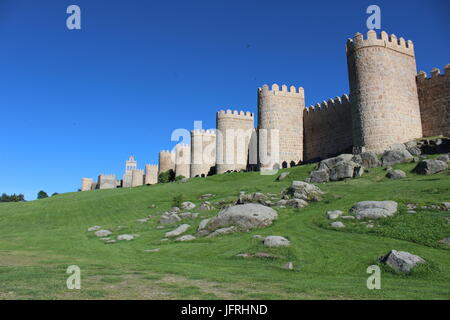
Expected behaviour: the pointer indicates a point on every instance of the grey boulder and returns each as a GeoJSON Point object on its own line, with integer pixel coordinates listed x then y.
{"type": "Point", "coordinates": [304, 191]}
{"type": "Point", "coordinates": [401, 261]}
{"type": "Point", "coordinates": [337, 224]}
{"type": "Point", "coordinates": [276, 241]}
{"type": "Point", "coordinates": [369, 160]}
{"type": "Point", "coordinates": [345, 170]}
{"type": "Point", "coordinates": [282, 176]}
{"type": "Point", "coordinates": [178, 231]}
{"type": "Point", "coordinates": [391, 157]}
{"type": "Point", "coordinates": [187, 205]}
{"type": "Point", "coordinates": [103, 233]}
{"type": "Point", "coordinates": [319, 176]}
{"type": "Point", "coordinates": [187, 237]}
{"type": "Point", "coordinates": [243, 217]}
{"type": "Point", "coordinates": [395, 174]}
{"type": "Point", "coordinates": [126, 237]}
{"type": "Point", "coordinates": [169, 218]}
{"type": "Point", "coordinates": [430, 166]}
{"type": "Point", "coordinates": [332, 215]}
{"type": "Point", "coordinates": [374, 209]}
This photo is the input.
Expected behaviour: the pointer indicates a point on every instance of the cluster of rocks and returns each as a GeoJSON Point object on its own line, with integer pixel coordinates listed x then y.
{"type": "Point", "coordinates": [344, 166]}
{"type": "Point", "coordinates": [174, 215]}
{"type": "Point", "coordinates": [364, 210]}
{"type": "Point", "coordinates": [444, 206]}
{"type": "Point", "coordinates": [256, 197]}
{"type": "Point", "coordinates": [206, 206]}
{"type": "Point", "coordinates": [105, 234]}
{"type": "Point", "coordinates": [348, 166]}
{"type": "Point", "coordinates": [206, 196]}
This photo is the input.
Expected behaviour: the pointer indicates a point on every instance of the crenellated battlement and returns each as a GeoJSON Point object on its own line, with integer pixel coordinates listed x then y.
{"type": "Point", "coordinates": [434, 74]}
{"type": "Point", "coordinates": [183, 146]}
{"type": "Point", "coordinates": [329, 105]}
{"type": "Point", "coordinates": [235, 114]}
{"type": "Point", "coordinates": [204, 132]}
{"type": "Point", "coordinates": [151, 166]}
{"type": "Point", "coordinates": [382, 40]}
{"type": "Point", "coordinates": [166, 152]}
{"type": "Point", "coordinates": [292, 91]}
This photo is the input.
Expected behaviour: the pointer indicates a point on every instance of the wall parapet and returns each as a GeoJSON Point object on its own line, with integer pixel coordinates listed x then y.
{"type": "Point", "coordinates": [382, 40]}
{"type": "Point", "coordinates": [434, 74]}
{"type": "Point", "coordinates": [281, 91]}
{"type": "Point", "coordinates": [247, 115]}
{"type": "Point", "coordinates": [204, 132]}
{"type": "Point", "coordinates": [327, 105]}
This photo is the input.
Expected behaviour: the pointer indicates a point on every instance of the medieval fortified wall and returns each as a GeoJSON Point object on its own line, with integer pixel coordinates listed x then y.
{"type": "Point", "coordinates": [388, 103]}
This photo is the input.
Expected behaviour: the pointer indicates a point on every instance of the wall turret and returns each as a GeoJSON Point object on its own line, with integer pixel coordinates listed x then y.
{"type": "Point", "coordinates": [183, 160]}
{"type": "Point", "coordinates": [203, 152]}
{"type": "Point", "coordinates": [233, 134]}
{"type": "Point", "coordinates": [280, 116]}
{"type": "Point", "coordinates": [151, 174]}
{"type": "Point", "coordinates": [166, 161]}
{"type": "Point", "coordinates": [86, 184]}
{"type": "Point", "coordinates": [383, 91]}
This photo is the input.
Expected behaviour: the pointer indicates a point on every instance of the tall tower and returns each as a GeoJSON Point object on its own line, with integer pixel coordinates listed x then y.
{"type": "Point", "coordinates": [166, 161]}
{"type": "Point", "coordinates": [137, 178]}
{"type": "Point", "coordinates": [383, 91]}
{"type": "Point", "coordinates": [280, 117]}
{"type": "Point", "coordinates": [233, 136]}
{"type": "Point", "coordinates": [151, 174]}
{"type": "Point", "coordinates": [130, 165]}
{"type": "Point", "coordinates": [183, 160]}
{"type": "Point", "coordinates": [86, 184]}
{"type": "Point", "coordinates": [203, 152]}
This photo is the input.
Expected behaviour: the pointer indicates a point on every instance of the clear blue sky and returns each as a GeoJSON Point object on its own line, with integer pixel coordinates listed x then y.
{"type": "Point", "coordinates": [77, 103]}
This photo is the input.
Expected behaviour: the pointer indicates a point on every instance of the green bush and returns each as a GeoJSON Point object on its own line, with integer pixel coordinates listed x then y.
{"type": "Point", "coordinates": [42, 195]}
{"type": "Point", "coordinates": [166, 176]}
{"type": "Point", "coordinates": [12, 198]}
{"type": "Point", "coordinates": [177, 201]}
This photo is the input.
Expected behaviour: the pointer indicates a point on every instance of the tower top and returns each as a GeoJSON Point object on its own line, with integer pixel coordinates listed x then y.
{"type": "Point", "coordinates": [382, 40]}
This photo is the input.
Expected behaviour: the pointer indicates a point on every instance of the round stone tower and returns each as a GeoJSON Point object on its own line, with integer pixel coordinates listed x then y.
{"type": "Point", "coordinates": [280, 118]}
{"type": "Point", "coordinates": [383, 91]}
{"type": "Point", "coordinates": [166, 161]}
{"type": "Point", "coordinates": [151, 174]}
{"type": "Point", "coordinates": [233, 135]}
{"type": "Point", "coordinates": [183, 160]}
{"type": "Point", "coordinates": [203, 152]}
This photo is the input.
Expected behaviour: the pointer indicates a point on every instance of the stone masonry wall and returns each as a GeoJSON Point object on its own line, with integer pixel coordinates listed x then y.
{"type": "Point", "coordinates": [183, 160]}
{"type": "Point", "coordinates": [280, 112]}
{"type": "Point", "coordinates": [151, 174]}
{"type": "Point", "coordinates": [137, 178]}
{"type": "Point", "coordinates": [166, 161]}
{"type": "Point", "coordinates": [107, 181]}
{"type": "Point", "coordinates": [233, 135]}
{"type": "Point", "coordinates": [203, 152]}
{"type": "Point", "coordinates": [434, 98]}
{"type": "Point", "coordinates": [327, 129]}
{"type": "Point", "coordinates": [383, 91]}
{"type": "Point", "coordinates": [86, 184]}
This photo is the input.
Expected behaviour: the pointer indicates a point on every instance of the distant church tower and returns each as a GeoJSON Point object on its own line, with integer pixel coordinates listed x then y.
{"type": "Point", "coordinates": [130, 165]}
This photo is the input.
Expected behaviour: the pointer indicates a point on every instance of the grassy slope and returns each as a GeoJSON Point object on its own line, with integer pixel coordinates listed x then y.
{"type": "Point", "coordinates": [39, 239]}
